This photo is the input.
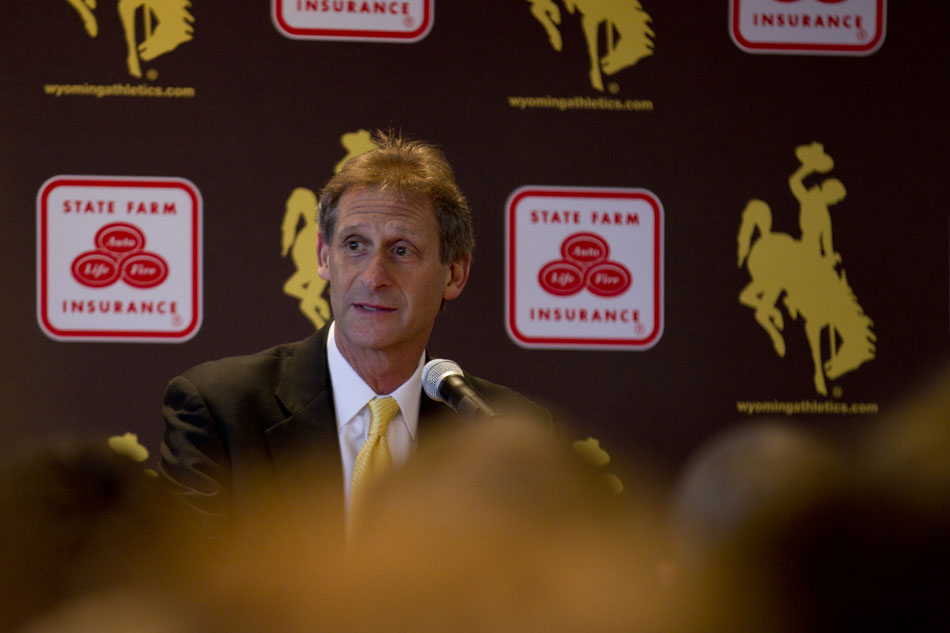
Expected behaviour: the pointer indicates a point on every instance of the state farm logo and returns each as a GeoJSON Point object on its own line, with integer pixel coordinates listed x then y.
{"type": "Point", "coordinates": [606, 289]}
{"type": "Point", "coordinates": [825, 27]}
{"type": "Point", "coordinates": [362, 20]}
{"type": "Point", "coordinates": [584, 265]}
{"type": "Point", "coordinates": [118, 258]}
{"type": "Point", "coordinates": [119, 254]}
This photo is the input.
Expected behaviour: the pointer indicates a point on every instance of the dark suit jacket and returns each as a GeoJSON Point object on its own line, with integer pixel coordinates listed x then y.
{"type": "Point", "coordinates": [239, 425]}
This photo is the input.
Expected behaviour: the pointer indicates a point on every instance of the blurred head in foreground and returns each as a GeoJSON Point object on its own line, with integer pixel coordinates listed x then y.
{"type": "Point", "coordinates": [905, 490]}
{"type": "Point", "coordinates": [495, 527]}
{"type": "Point", "coordinates": [781, 531]}
{"type": "Point", "coordinates": [750, 513]}
{"type": "Point", "coordinates": [77, 519]}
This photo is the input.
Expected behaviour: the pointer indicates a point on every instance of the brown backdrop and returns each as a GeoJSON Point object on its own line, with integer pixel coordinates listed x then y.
{"type": "Point", "coordinates": [715, 127]}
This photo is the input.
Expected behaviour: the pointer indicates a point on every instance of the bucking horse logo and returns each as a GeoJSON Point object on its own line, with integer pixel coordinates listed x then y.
{"type": "Point", "coordinates": [165, 24]}
{"type": "Point", "coordinates": [617, 32]}
{"type": "Point", "coordinates": [299, 238]}
{"type": "Point", "coordinates": [807, 272]}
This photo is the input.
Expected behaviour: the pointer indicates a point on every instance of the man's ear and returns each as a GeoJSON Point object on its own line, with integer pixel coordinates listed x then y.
{"type": "Point", "coordinates": [456, 277]}
{"type": "Point", "coordinates": [323, 257]}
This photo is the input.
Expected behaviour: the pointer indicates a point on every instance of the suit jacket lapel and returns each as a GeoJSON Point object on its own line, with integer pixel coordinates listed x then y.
{"type": "Point", "coordinates": [304, 446]}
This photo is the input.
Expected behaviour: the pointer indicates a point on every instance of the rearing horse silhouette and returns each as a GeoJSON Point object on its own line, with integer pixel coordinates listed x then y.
{"type": "Point", "coordinates": [778, 263]}
{"type": "Point", "coordinates": [626, 32]}
{"type": "Point", "coordinates": [165, 24]}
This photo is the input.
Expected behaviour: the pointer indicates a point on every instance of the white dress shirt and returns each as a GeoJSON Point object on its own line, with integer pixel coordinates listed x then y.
{"type": "Point", "coordinates": [350, 397]}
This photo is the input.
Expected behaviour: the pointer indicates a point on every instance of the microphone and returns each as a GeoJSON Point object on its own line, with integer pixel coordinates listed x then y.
{"type": "Point", "coordinates": [443, 381]}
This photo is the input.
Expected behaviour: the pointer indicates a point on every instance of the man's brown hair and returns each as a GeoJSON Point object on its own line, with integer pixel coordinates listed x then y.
{"type": "Point", "coordinates": [406, 167]}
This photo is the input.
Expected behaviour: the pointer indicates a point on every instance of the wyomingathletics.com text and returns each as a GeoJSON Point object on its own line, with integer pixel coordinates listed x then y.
{"type": "Point", "coordinates": [118, 90]}
{"type": "Point", "coordinates": [581, 103]}
{"type": "Point", "coordinates": [805, 407]}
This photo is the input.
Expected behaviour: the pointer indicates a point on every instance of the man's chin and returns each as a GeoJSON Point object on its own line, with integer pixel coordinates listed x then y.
{"type": "Point", "coordinates": [371, 336]}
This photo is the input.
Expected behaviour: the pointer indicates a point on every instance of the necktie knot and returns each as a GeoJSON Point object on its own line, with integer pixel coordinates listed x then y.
{"type": "Point", "coordinates": [382, 411]}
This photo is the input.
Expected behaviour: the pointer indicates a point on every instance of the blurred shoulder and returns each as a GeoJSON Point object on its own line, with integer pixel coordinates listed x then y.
{"type": "Point", "coordinates": [512, 403]}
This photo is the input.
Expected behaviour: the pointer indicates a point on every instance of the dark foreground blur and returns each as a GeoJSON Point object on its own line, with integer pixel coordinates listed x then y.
{"type": "Point", "coordinates": [500, 527]}
{"type": "Point", "coordinates": [779, 529]}
{"type": "Point", "coordinates": [494, 528]}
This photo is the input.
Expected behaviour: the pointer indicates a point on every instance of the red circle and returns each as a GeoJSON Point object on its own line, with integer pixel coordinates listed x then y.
{"type": "Point", "coordinates": [561, 278]}
{"type": "Point", "coordinates": [585, 249]}
{"type": "Point", "coordinates": [608, 279]}
{"type": "Point", "coordinates": [120, 238]}
{"type": "Point", "coordinates": [95, 269]}
{"type": "Point", "coordinates": [144, 270]}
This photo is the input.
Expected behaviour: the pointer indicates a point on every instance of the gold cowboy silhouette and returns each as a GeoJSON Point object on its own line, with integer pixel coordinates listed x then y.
{"type": "Point", "coordinates": [165, 24]}
{"type": "Point", "coordinates": [814, 220]}
{"type": "Point", "coordinates": [355, 143]}
{"type": "Point", "coordinates": [804, 270]}
{"type": "Point", "coordinates": [626, 29]}
{"type": "Point", "coordinates": [304, 283]}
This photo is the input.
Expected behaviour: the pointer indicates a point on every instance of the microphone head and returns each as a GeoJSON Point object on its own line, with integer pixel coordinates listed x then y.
{"type": "Point", "coordinates": [434, 373]}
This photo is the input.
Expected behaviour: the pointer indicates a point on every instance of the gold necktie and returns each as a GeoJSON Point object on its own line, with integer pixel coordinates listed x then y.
{"type": "Point", "coordinates": [373, 459]}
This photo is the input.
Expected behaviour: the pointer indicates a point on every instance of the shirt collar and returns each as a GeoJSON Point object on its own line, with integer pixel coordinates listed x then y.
{"type": "Point", "coordinates": [351, 393]}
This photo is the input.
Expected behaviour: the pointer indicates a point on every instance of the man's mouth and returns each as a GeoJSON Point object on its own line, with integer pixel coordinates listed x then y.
{"type": "Point", "coordinates": [366, 307]}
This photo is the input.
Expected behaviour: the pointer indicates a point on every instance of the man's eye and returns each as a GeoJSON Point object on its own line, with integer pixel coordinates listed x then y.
{"type": "Point", "coordinates": [401, 250]}
{"type": "Point", "coordinates": [352, 245]}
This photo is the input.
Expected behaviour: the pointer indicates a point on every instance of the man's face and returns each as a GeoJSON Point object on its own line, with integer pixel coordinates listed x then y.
{"type": "Point", "coordinates": [386, 281]}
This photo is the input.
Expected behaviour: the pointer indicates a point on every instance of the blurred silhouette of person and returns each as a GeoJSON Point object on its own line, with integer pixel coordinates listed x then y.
{"type": "Point", "coordinates": [755, 509]}
{"type": "Point", "coordinates": [78, 519]}
{"type": "Point", "coordinates": [905, 498]}
{"type": "Point", "coordinates": [491, 527]}
{"type": "Point", "coordinates": [778, 530]}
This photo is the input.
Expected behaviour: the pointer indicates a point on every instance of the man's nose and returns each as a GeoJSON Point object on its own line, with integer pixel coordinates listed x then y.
{"type": "Point", "coordinates": [377, 272]}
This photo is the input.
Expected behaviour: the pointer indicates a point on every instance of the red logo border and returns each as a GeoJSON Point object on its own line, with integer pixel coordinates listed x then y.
{"type": "Point", "coordinates": [805, 48]}
{"type": "Point", "coordinates": [405, 37]}
{"type": "Point", "coordinates": [117, 335]}
{"type": "Point", "coordinates": [510, 272]}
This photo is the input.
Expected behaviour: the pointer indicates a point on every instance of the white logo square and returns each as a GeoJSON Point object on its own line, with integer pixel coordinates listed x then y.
{"type": "Point", "coordinates": [404, 21]}
{"type": "Point", "coordinates": [118, 259]}
{"type": "Point", "coordinates": [809, 27]}
{"type": "Point", "coordinates": [584, 268]}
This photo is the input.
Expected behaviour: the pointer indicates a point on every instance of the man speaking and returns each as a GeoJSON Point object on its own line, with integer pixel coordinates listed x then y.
{"type": "Point", "coordinates": [395, 245]}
